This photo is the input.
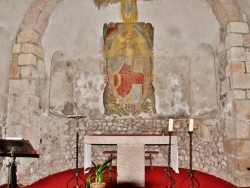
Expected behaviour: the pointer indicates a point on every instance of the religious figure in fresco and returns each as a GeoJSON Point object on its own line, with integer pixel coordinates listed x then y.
{"type": "Point", "coordinates": [125, 75]}
{"type": "Point", "coordinates": [128, 51]}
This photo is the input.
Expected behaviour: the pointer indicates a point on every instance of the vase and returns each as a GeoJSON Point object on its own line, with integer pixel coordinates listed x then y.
{"type": "Point", "coordinates": [98, 185]}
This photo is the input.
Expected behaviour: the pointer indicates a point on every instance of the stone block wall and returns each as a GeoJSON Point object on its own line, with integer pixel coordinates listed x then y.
{"type": "Point", "coordinates": [234, 89]}
{"type": "Point", "coordinates": [57, 144]}
{"type": "Point", "coordinates": [57, 141]}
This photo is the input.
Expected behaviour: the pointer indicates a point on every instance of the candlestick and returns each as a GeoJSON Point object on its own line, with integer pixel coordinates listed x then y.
{"type": "Point", "coordinates": [191, 125]}
{"type": "Point", "coordinates": [194, 182]}
{"type": "Point", "coordinates": [170, 125]}
{"type": "Point", "coordinates": [171, 183]}
{"type": "Point", "coordinates": [77, 171]}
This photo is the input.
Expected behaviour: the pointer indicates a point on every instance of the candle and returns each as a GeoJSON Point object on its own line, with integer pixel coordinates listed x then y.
{"type": "Point", "coordinates": [191, 125]}
{"type": "Point", "coordinates": [170, 125]}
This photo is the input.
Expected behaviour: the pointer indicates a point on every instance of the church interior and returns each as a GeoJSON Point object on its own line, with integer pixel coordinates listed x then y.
{"type": "Point", "coordinates": [162, 83]}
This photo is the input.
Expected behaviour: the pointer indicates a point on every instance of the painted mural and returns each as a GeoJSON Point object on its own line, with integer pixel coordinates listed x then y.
{"type": "Point", "coordinates": [128, 50]}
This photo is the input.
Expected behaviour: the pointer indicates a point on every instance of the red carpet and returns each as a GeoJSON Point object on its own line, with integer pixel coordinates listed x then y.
{"type": "Point", "coordinates": [155, 178]}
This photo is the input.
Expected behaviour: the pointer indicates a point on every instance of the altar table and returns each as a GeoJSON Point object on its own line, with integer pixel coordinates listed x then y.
{"type": "Point", "coordinates": [131, 154]}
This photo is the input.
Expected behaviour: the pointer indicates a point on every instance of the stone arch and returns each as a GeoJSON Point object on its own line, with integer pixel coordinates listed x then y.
{"type": "Point", "coordinates": [34, 24]}
{"type": "Point", "coordinates": [38, 15]}
{"type": "Point", "coordinates": [225, 11]}
{"type": "Point", "coordinates": [203, 82]}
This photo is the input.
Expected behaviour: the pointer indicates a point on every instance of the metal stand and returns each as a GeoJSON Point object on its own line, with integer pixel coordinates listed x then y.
{"type": "Point", "coordinates": [168, 170]}
{"type": "Point", "coordinates": [76, 175]}
{"type": "Point", "coordinates": [12, 178]}
{"type": "Point", "coordinates": [194, 182]}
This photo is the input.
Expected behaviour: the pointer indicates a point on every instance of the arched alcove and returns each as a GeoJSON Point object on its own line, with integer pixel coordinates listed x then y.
{"type": "Point", "coordinates": [203, 92]}
{"type": "Point", "coordinates": [61, 79]}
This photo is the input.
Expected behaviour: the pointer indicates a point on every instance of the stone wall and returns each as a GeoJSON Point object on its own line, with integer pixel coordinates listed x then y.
{"type": "Point", "coordinates": [208, 137]}
{"type": "Point", "coordinates": [59, 134]}
{"type": "Point", "coordinates": [234, 100]}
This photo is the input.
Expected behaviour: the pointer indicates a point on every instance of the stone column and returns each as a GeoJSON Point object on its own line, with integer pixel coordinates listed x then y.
{"type": "Point", "coordinates": [23, 99]}
{"type": "Point", "coordinates": [236, 87]}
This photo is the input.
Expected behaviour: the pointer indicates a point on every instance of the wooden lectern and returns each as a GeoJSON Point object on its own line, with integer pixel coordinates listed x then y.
{"type": "Point", "coordinates": [16, 148]}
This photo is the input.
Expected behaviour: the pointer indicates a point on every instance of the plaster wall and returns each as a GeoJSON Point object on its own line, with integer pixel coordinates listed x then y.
{"type": "Point", "coordinates": [75, 29]}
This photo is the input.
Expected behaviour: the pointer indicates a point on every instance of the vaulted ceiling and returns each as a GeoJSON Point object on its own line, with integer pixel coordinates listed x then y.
{"type": "Point", "coordinates": [245, 7]}
{"type": "Point", "coordinates": [244, 4]}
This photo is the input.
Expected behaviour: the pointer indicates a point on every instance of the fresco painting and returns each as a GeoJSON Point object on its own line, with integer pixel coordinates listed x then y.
{"type": "Point", "coordinates": [128, 51]}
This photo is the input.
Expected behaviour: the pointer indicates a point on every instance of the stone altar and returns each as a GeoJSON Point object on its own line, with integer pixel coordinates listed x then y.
{"type": "Point", "coordinates": [131, 154]}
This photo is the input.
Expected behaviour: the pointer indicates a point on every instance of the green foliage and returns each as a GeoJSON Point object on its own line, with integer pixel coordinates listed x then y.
{"type": "Point", "coordinates": [99, 171]}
